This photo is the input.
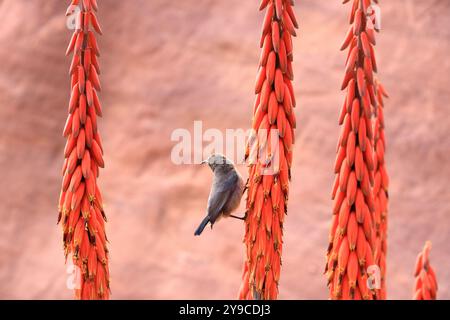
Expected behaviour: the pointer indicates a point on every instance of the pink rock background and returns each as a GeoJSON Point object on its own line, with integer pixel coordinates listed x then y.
{"type": "Point", "coordinates": [168, 63]}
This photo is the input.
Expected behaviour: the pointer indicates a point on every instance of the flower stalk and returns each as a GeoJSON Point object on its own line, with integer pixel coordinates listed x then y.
{"type": "Point", "coordinates": [352, 238]}
{"type": "Point", "coordinates": [273, 116]}
{"type": "Point", "coordinates": [81, 206]}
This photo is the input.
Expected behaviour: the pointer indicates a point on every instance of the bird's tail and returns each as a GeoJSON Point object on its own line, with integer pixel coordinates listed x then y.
{"type": "Point", "coordinates": [202, 226]}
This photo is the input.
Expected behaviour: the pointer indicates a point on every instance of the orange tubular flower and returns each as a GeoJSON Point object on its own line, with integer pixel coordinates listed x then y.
{"type": "Point", "coordinates": [380, 189]}
{"type": "Point", "coordinates": [352, 239]}
{"type": "Point", "coordinates": [426, 286]}
{"type": "Point", "coordinates": [80, 205]}
{"type": "Point", "coordinates": [268, 192]}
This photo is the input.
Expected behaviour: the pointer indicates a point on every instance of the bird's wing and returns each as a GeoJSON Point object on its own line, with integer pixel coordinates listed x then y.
{"type": "Point", "coordinates": [220, 194]}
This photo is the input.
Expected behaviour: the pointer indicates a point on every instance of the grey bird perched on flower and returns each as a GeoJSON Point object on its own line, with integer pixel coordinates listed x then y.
{"type": "Point", "coordinates": [226, 191]}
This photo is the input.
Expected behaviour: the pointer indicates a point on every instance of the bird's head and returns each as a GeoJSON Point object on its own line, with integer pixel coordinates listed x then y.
{"type": "Point", "coordinates": [218, 162]}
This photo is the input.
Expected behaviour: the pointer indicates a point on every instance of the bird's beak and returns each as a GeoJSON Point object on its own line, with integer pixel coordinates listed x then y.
{"type": "Point", "coordinates": [204, 161]}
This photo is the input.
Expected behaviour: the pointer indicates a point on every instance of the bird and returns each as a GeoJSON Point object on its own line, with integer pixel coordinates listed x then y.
{"type": "Point", "coordinates": [226, 191]}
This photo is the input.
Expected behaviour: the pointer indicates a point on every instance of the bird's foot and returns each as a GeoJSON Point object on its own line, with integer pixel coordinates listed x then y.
{"type": "Point", "coordinates": [239, 218]}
